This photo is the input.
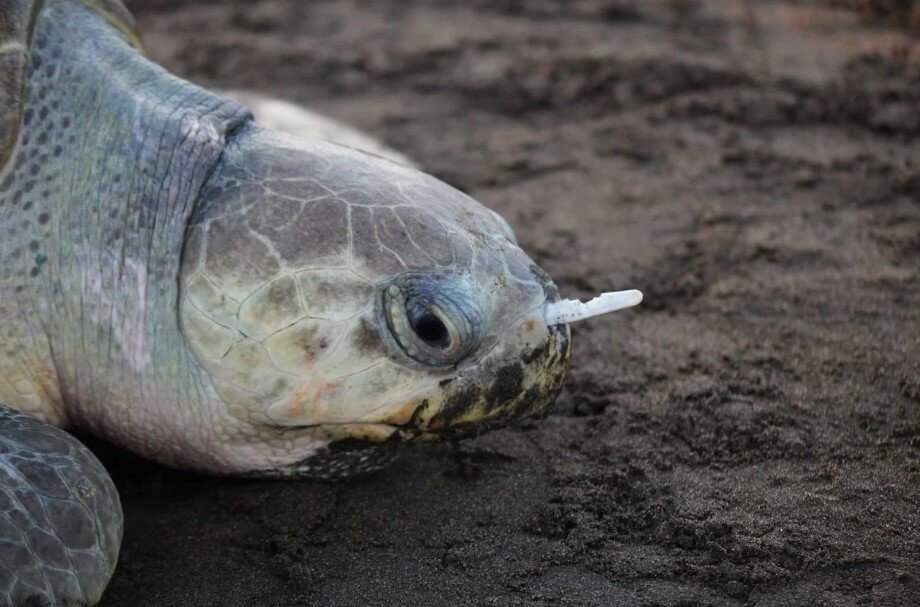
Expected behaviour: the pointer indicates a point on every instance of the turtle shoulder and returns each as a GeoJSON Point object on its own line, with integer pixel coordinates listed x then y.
{"type": "Point", "coordinates": [17, 24]}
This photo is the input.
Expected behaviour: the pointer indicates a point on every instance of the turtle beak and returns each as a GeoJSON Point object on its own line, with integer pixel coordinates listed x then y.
{"type": "Point", "coordinates": [519, 379]}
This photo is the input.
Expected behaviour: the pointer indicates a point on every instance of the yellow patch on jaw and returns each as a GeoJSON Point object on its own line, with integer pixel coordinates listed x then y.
{"type": "Point", "coordinates": [306, 401]}
{"type": "Point", "coordinates": [306, 405]}
{"type": "Point", "coordinates": [401, 414]}
{"type": "Point", "coordinates": [378, 394]}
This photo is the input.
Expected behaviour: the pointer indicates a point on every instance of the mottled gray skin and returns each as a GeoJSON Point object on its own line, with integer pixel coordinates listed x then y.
{"type": "Point", "coordinates": [214, 295]}
{"type": "Point", "coordinates": [60, 519]}
{"type": "Point", "coordinates": [102, 165]}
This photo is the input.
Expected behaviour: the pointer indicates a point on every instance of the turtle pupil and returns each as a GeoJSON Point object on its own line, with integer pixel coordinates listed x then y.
{"type": "Point", "coordinates": [429, 327]}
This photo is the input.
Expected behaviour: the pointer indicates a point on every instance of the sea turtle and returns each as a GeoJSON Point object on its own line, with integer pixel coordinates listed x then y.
{"type": "Point", "coordinates": [219, 296]}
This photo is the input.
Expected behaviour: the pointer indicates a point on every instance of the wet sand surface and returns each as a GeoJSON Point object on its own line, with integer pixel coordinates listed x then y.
{"type": "Point", "coordinates": [749, 435]}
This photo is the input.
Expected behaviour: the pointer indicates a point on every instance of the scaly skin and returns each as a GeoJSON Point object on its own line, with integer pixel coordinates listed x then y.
{"type": "Point", "coordinates": [215, 295]}
{"type": "Point", "coordinates": [112, 154]}
{"type": "Point", "coordinates": [60, 519]}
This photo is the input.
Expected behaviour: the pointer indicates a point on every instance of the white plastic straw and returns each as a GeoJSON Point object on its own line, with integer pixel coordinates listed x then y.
{"type": "Point", "coordinates": [572, 310]}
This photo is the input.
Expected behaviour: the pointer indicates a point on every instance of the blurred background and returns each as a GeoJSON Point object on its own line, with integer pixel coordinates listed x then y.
{"type": "Point", "coordinates": [749, 435]}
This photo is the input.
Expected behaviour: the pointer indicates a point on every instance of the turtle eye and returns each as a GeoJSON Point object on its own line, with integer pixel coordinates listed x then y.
{"type": "Point", "coordinates": [428, 327]}
{"type": "Point", "coordinates": [434, 320]}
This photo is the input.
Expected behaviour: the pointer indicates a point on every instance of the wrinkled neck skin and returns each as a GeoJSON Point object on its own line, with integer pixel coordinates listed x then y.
{"type": "Point", "coordinates": [112, 154]}
{"type": "Point", "coordinates": [120, 165]}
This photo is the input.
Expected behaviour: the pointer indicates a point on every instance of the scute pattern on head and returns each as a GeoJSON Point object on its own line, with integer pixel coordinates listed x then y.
{"type": "Point", "coordinates": [324, 294]}
{"type": "Point", "coordinates": [291, 252]}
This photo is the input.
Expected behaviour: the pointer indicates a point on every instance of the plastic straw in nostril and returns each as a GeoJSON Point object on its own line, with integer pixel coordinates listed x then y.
{"type": "Point", "coordinates": [572, 310]}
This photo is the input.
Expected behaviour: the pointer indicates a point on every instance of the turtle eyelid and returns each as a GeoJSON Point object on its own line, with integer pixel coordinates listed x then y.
{"type": "Point", "coordinates": [432, 319]}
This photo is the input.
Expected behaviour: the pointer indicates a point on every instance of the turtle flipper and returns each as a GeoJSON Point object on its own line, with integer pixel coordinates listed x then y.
{"type": "Point", "coordinates": [60, 517]}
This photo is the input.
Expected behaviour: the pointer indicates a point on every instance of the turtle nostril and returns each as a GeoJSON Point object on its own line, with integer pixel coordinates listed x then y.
{"type": "Point", "coordinates": [428, 327]}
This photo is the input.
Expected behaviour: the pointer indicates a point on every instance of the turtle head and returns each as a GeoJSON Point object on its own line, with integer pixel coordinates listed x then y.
{"type": "Point", "coordinates": [336, 298]}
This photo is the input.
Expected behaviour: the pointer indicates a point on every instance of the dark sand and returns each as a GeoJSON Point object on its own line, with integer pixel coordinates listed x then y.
{"type": "Point", "coordinates": [751, 435]}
